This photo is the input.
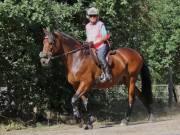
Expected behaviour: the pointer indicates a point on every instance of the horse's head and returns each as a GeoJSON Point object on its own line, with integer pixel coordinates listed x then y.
{"type": "Point", "coordinates": [51, 47]}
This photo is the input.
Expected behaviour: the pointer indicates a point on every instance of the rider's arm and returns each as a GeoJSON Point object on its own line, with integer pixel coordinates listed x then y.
{"type": "Point", "coordinates": [105, 36]}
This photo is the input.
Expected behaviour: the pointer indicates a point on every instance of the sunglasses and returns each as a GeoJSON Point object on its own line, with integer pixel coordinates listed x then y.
{"type": "Point", "coordinates": [92, 15]}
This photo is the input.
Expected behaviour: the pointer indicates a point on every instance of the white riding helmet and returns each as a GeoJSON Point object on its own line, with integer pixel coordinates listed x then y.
{"type": "Point", "coordinates": [92, 11]}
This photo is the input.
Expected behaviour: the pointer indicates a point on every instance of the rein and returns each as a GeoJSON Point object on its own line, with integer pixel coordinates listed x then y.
{"type": "Point", "coordinates": [70, 52]}
{"type": "Point", "coordinates": [84, 46]}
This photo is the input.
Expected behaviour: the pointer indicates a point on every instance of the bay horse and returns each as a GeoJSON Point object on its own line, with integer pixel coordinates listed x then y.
{"type": "Point", "coordinates": [82, 71]}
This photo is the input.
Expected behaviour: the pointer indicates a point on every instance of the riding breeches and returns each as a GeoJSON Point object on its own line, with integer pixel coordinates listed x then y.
{"type": "Point", "coordinates": [101, 53]}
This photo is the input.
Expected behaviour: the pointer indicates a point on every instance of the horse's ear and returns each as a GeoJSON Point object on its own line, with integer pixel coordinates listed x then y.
{"type": "Point", "coordinates": [45, 30]}
{"type": "Point", "coordinates": [55, 31]}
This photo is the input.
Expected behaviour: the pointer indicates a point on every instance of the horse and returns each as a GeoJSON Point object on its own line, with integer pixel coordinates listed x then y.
{"type": "Point", "coordinates": [82, 71]}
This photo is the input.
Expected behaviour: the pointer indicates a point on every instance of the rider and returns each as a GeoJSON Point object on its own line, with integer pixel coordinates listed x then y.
{"type": "Point", "coordinates": [96, 36]}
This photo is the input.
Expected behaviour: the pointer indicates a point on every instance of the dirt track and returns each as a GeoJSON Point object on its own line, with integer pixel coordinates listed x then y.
{"type": "Point", "coordinates": [166, 126]}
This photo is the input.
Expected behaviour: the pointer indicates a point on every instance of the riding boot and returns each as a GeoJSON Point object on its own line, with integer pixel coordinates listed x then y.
{"type": "Point", "coordinates": [101, 53]}
{"type": "Point", "coordinates": [102, 76]}
{"type": "Point", "coordinates": [106, 75]}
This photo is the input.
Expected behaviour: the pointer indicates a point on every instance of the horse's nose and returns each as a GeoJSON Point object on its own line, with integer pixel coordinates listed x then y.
{"type": "Point", "coordinates": [44, 62]}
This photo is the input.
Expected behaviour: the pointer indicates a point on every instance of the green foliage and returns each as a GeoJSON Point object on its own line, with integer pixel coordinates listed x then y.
{"type": "Point", "coordinates": [21, 41]}
{"type": "Point", "coordinates": [165, 36]}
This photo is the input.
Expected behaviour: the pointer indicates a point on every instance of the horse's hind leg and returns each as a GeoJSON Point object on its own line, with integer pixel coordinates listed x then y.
{"type": "Point", "coordinates": [131, 98]}
{"type": "Point", "coordinates": [148, 106]}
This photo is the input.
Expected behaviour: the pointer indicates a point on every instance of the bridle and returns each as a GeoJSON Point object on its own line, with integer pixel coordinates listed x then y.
{"type": "Point", "coordinates": [50, 57]}
{"type": "Point", "coordinates": [70, 52]}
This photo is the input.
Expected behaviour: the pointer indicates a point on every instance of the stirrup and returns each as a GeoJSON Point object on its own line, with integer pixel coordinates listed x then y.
{"type": "Point", "coordinates": [105, 78]}
{"type": "Point", "coordinates": [102, 76]}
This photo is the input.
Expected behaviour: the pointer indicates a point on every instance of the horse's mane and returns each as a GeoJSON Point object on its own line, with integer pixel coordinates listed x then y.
{"type": "Point", "coordinates": [75, 43]}
{"type": "Point", "coordinates": [70, 38]}
{"type": "Point", "coordinates": [66, 37]}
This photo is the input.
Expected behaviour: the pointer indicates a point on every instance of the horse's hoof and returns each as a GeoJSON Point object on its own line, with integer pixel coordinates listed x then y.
{"type": "Point", "coordinates": [124, 122]}
{"type": "Point", "coordinates": [81, 122]}
{"type": "Point", "coordinates": [92, 119]}
{"type": "Point", "coordinates": [88, 127]}
{"type": "Point", "coordinates": [80, 125]}
{"type": "Point", "coordinates": [151, 118]}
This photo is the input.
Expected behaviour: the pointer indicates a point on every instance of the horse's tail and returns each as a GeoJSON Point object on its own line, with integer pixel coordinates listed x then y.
{"type": "Point", "coordinates": [146, 84]}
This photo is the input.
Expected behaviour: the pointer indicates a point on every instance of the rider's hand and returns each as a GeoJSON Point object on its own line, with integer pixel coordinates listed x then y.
{"type": "Point", "coordinates": [88, 44]}
{"type": "Point", "coordinates": [91, 44]}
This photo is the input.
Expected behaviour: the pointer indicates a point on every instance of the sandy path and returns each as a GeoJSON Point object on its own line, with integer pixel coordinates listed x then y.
{"type": "Point", "coordinates": [170, 126]}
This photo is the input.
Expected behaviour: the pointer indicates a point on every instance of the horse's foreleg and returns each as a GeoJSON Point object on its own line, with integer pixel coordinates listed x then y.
{"type": "Point", "coordinates": [75, 106]}
{"type": "Point", "coordinates": [131, 98]}
{"type": "Point", "coordinates": [82, 89]}
{"type": "Point", "coordinates": [91, 118]}
{"type": "Point", "coordinates": [85, 102]}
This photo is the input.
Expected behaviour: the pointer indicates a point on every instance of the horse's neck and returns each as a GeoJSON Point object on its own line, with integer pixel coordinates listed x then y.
{"type": "Point", "coordinates": [69, 45]}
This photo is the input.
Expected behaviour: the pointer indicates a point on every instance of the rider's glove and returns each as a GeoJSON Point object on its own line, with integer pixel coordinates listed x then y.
{"type": "Point", "coordinates": [89, 44]}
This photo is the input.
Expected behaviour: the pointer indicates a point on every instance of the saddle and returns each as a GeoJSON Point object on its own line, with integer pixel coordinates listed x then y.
{"type": "Point", "coordinates": [108, 57]}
